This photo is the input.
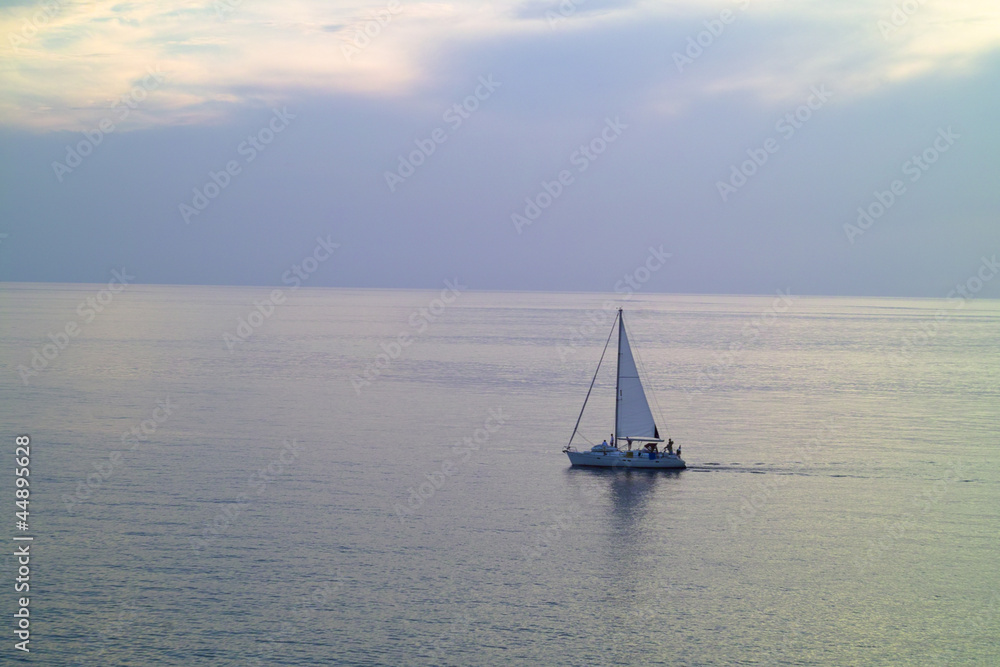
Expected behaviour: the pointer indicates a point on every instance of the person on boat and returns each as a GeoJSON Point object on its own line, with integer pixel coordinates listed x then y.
{"type": "Point", "coordinates": [629, 441]}
{"type": "Point", "coordinates": [612, 439]}
{"type": "Point", "coordinates": [678, 451]}
{"type": "Point", "coordinates": [670, 446]}
{"type": "Point", "coordinates": [605, 443]}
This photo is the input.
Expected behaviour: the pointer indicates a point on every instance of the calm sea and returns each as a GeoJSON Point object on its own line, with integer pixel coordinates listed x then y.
{"type": "Point", "coordinates": [277, 493]}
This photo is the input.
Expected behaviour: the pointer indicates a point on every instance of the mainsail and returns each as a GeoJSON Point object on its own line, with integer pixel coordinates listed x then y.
{"type": "Point", "coordinates": [633, 416]}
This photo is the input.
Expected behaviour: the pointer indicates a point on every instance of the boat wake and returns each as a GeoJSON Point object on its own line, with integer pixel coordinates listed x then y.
{"type": "Point", "coordinates": [764, 469]}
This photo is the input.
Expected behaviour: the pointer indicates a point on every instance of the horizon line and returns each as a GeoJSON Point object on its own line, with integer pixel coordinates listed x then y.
{"type": "Point", "coordinates": [617, 295]}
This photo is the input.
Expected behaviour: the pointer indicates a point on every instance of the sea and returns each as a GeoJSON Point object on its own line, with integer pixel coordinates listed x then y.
{"type": "Point", "coordinates": [261, 476]}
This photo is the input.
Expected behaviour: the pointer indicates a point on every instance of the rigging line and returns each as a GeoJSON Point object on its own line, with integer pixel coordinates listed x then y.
{"type": "Point", "coordinates": [592, 384]}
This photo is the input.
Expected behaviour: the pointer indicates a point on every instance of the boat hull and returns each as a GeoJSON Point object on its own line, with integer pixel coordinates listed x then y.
{"type": "Point", "coordinates": [622, 460]}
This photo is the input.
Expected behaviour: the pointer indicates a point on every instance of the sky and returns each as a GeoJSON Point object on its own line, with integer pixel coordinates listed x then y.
{"type": "Point", "coordinates": [740, 147]}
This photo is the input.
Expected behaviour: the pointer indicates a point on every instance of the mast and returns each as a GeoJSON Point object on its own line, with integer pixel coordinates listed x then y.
{"type": "Point", "coordinates": [618, 366]}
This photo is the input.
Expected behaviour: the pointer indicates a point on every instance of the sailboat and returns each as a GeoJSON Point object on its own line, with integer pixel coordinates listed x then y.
{"type": "Point", "coordinates": [634, 423]}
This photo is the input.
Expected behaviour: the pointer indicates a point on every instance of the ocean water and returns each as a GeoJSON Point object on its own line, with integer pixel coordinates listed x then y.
{"type": "Point", "coordinates": [289, 497]}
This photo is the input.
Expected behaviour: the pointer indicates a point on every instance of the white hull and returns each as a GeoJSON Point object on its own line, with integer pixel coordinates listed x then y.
{"type": "Point", "coordinates": [619, 459]}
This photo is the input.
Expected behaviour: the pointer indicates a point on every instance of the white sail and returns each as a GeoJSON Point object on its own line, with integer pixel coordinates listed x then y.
{"type": "Point", "coordinates": [635, 420]}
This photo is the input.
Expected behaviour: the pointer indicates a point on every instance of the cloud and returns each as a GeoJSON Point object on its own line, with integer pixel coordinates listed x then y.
{"type": "Point", "coordinates": [67, 62]}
